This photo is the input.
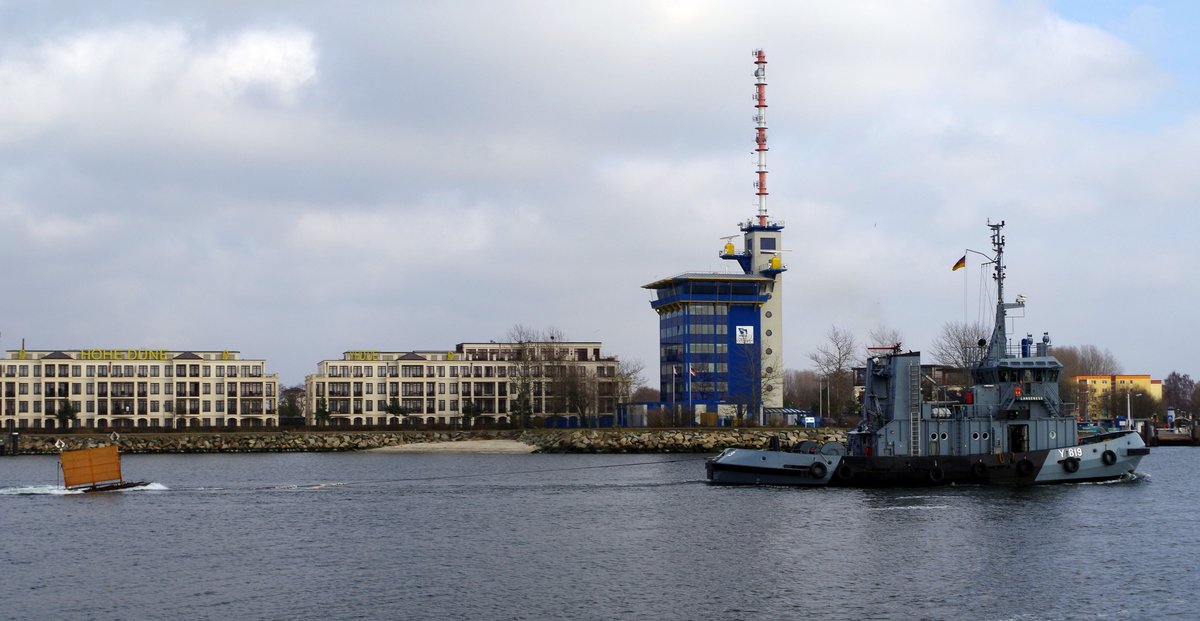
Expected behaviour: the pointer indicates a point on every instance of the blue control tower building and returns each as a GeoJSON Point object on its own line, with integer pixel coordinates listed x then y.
{"type": "Point", "coordinates": [721, 334]}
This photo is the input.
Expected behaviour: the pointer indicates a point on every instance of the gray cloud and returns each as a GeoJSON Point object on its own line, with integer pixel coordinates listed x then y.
{"type": "Point", "coordinates": [294, 180]}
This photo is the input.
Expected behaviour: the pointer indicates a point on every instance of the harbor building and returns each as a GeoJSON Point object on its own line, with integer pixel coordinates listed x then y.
{"type": "Point", "coordinates": [1092, 393]}
{"type": "Point", "coordinates": [721, 333]}
{"type": "Point", "coordinates": [135, 389]}
{"type": "Point", "coordinates": [555, 383]}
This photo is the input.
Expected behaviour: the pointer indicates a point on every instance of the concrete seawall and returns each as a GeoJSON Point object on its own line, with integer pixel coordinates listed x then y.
{"type": "Point", "coordinates": [685, 440]}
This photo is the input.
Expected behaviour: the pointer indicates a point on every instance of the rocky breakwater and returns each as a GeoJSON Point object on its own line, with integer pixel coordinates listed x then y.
{"type": "Point", "coordinates": [670, 440]}
{"type": "Point", "coordinates": [683, 440]}
{"type": "Point", "coordinates": [239, 442]}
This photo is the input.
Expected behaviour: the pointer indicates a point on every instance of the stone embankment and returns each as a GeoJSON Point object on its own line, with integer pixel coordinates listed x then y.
{"type": "Point", "coordinates": [686, 440]}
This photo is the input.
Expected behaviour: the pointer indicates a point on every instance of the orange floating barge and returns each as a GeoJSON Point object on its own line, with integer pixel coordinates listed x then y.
{"type": "Point", "coordinates": [94, 470]}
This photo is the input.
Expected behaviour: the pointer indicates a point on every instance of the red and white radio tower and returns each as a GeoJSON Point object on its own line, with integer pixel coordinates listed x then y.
{"type": "Point", "coordinates": [760, 123]}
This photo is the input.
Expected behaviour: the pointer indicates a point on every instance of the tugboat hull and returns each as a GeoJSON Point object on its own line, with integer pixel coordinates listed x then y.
{"type": "Point", "coordinates": [1102, 458]}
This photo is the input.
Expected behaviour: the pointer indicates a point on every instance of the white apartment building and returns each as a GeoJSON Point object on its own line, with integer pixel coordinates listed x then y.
{"type": "Point", "coordinates": [136, 389]}
{"type": "Point", "coordinates": [485, 381]}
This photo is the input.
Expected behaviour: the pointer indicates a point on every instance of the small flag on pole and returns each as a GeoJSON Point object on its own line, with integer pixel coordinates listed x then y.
{"type": "Point", "coordinates": [961, 263]}
{"type": "Point", "coordinates": [692, 371]}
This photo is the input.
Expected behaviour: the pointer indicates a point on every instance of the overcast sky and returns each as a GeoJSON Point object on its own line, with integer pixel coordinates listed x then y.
{"type": "Point", "coordinates": [298, 179]}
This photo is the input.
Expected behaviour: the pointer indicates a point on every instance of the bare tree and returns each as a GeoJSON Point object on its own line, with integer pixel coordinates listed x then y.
{"type": "Point", "coordinates": [802, 389]}
{"type": "Point", "coordinates": [1120, 401]}
{"type": "Point", "coordinates": [958, 344]}
{"type": "Point", "coordinates": [645, 394]}
{"type": "Point", "coordinates": [580, 392]}
{"type": "Point", "coordinates": [1096, 362]}
{"type": "Point", "coordinates": [524, 356]}
{"type": "Point", "coordinates": [1082, 360]}
{"type": "Point", "coordinates": [754, 378]}
{"type": "Point", "coordinates": [884, 336]}
{"type": "Point", "coordinates": [629, 378]}
{"type": "Point", "coordinates": [1177, 392]}
{"type": "Point", "coordinates": [833, 360]}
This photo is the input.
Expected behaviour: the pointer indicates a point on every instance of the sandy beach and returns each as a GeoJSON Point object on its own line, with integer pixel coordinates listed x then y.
{"type": "Point", "coordinates": [463, 446]}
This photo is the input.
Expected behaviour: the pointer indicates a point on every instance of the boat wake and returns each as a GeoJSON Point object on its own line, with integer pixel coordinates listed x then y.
{"type": "Point", "coordinates": [37, 490]}
{"type": "Point", "coordinates": [58, 490]}
{"type": "Point", "coordinates": [911, 508]}
{"type": "Point", "coordinates": [293, 487]}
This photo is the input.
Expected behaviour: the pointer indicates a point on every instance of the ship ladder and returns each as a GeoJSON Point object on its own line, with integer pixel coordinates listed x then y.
{"type": "Point", "coordinates": [914, 409]}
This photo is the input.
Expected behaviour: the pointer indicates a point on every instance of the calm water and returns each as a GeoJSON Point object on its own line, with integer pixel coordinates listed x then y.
{"type": "Point", "coordinates": [403, 536]}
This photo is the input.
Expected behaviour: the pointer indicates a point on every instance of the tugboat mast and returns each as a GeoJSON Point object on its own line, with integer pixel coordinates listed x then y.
{"type": "Point", "coordinates": [998, 346]}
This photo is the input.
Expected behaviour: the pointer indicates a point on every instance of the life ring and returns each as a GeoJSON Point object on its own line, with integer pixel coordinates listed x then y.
{"type": "Point", "coordinates": [844, 472]}
{"type": "Point", "coordinates": [936, 475]}
{"type": "Point", "coordinates": [1108, 457]}
{"type": "Point", "coordinates": [979, 470]}
{"type": "Point", "coordinates": [1025, 467]}
{"type": "Point", "coordinates": [818, 470]}
{"type": "Point", "coordinates": [1071, 464]}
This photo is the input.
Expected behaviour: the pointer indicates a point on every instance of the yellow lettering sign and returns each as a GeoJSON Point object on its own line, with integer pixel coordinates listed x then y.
{"type": "Point", "coordinates": [123, 354]}
{"type": "Point", "coordinates": [363, 355]}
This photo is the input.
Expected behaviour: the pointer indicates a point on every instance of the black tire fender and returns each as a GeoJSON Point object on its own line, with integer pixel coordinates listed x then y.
{"type": "Point", "coordinates": [1071, 464]}
{"type": "Point", "coordinates": [818, 470]}
{"type": "Point", "coordinates": [844, 471]}
{"type": "Point", "coordinates": [936, 475]}
{"type": "Point", "coordinates": [979, 470]}
{"type": "Point", "coordinates": [1025, 467]}
{"type": "Point", "coordinates": [1108, 457]}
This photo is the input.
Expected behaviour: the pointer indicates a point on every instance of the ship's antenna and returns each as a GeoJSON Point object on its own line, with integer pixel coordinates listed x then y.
{"type": "Point", "coordinates": [998, 246]}
{"type": "Point", "coordinates": [760, 125]}
{"type": "Point", "coordinates": [999, 341]}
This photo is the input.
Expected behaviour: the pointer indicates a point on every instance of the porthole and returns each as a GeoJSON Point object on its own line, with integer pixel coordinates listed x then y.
{"type": "Point", "coordinates": [768, 314]}
{"type": "Point", "coordinates": [768, 333]}
{"type": "Point", "coordinates": [985, 435]}
{"type": "Point", "coordinates": [772, 370]}
{"type": "Point", "coordinates": [769, 351]}
{"type": "Point", "coordinates": [944, 436]}
{"type": "Point", "coordinates": [933, 436]}
{"type": "Point", "coordinates": [1053, 434]}
{"type": "Point", "coordinates": [975, 435]}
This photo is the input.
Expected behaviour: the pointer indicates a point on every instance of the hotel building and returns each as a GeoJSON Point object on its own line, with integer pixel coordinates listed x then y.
{"type": "Point", "coordinates": [489, 381]}
{"type": "Point", "coordinates": [135, 389]}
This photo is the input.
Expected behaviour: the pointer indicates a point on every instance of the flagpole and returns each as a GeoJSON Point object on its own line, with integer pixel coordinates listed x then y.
{"type": "Point", "coordinates": [691, 413]}
{"type": "Point", "coordinates": [964, 294]}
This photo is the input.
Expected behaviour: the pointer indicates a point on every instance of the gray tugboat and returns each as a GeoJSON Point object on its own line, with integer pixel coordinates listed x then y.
{"type": "Point", "coordinates": [1009, 428]}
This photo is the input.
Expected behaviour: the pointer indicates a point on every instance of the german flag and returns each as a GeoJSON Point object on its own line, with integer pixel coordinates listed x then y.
{"type": "Point", "coordinates": [961, 263]}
